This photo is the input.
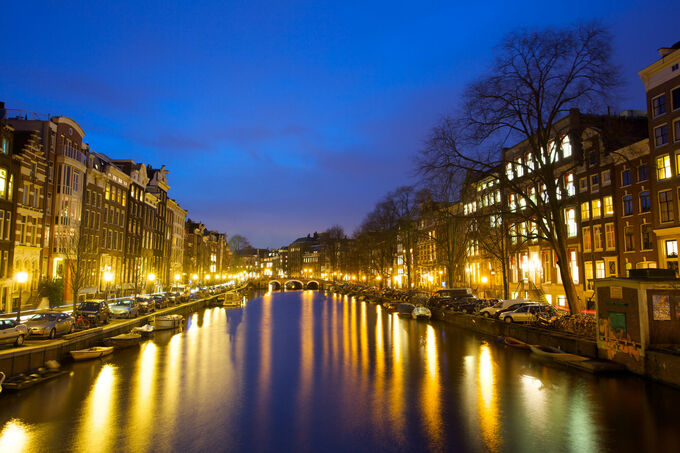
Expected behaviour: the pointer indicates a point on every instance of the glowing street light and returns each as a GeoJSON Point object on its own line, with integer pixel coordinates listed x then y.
{"type": "Point", "coordinates": [177, 277]}
{"type": "Point", "coordinates": [194, 277]}
{"type": "Point", "coordinates": [21, 278]}
{"type": "Point", "coordinates": [108, 278]}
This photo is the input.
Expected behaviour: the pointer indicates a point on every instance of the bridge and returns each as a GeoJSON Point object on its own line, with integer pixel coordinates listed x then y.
{"type": "Point", "coordinates": [292, 284]}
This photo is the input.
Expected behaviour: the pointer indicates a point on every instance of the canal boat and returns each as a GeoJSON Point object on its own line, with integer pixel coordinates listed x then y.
{"type": "Point", "coordinates": [125, 340]}
{"type": "Point", "coordinates": [420, 312]}
{"type": "Point", "coordinates": [167, 322]}
{"type": "Point", "coordinates": [91, 353]}
{"type": "Point", "coordinates": [405, 309]}
{"type": "Point", "coordinates": [144, 331]}
{"type": "Point", "coordinates": [23, 381]}
{"type": "Point", "coordinates": [555, 354]}
{"type": "Point", "coordinates": [515, 343]}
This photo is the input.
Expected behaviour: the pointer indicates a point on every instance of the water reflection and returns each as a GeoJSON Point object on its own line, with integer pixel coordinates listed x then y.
{"type": "Point", "coordinates": [299, 371]}
{"type": "Point", "coordinates": [96, 425]}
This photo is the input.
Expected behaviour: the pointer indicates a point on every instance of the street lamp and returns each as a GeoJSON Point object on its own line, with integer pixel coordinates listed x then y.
{"type": "Point", "coordinates": [21, 278]}
{"type": "Point", "coordinates": [151, 278]}
{"type": "Point", "coordinates": [108, 277]}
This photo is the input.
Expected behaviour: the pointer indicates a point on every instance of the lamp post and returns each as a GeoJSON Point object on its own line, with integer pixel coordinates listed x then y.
{"type": "Point", "coordinates": [21, 278]}
{"type": "Point", "coordinates": [151, 278]}
{"type": "Point", "coordinates": [108, 277]}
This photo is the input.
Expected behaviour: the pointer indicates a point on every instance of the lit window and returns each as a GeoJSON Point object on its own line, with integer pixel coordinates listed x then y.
{"type": "Point", "coordinates": [597, 237]}
{"type": "Point", "coordinates": [609, 236]}
{"type": "Point", "coordinates": [663, 167]}
{"type": "Point", "coordinates": [597, 208]}
{"type": "Point", "coordinates": [599, 269]}
{"type": "Point", "coordinates": [608, 205]}
{"type": "Point", "coordinates": [672, 248]}
{"type": "Point", "coordinates": [587, 240]}
{"type": "Point", "coordinates": [518, 167]}
{"type": "Point", "coordinates": [569, 184]}
{"type": "Point", "coordinates": [571, 222]}
{"type": "Point", "coordinates": [508, 171]}
{"type": "Point", "coordinates": [3, 183]}
{"type": "Point", "coordinates": [566, 146]}
{"type": "Point", "coordinates": [585, 210]}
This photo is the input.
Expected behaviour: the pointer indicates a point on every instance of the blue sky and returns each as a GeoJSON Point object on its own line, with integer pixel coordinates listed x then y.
{"type": "Point", "coordinates": [280, 118]}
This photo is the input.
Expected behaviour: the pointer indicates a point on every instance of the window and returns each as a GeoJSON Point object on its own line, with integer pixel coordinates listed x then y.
{"type": "Point", "coordinates": [608, 205]}
{"type": "Point", "coordinates": [643, 173]}
{"type": "Point", "coordinates": [571, 222]}
{"type": "Point", "coordinates": [646, 236]}
{"type": "Point", "coordinates": [628, 205]}
{"type": "Point", "coordinates": [587, 240]}
{"type": "Point", "coordinates": [628, 239]}
{"type": "Point", "coordinates": [566, 146]}
{"type": "Point", "coordinates": [588, 272]}
{"type": "Point", "coordinates": [3, 183]}
{"type": "Point", "coordinates": [519, 169]}
{"type": "Point", "coordinates": [611, 267]}
{"type": "Point", "coordinates": [599, 269]}
{"type": "Point", "coordinates": [609, 236]}
{"type": "Point", "coordinates": [659, 105]}
{"type": "Point", "coordinates": [569, 184]}
{"type": "Point", "coordinates": [661, 135]}
{"type": "Point", "coordinates": [663, 167]}
{"type": "Point", "coordinates": [583, 184]}
{"type": "Point", "coordinates": [585, 210]}
{"type": "Point", "coordinates": [593, 158]}
{"type": "Point", "coordinates": [666, 206]}
{"type": "Point", "coordinates": [594, 183]}
{"type": "Point", "coordinates": [508, 173]}
{"type": "Point", "coordinates": [597, 237]}
{"type": "Point", "coordinates": [606, 178]}
{"type": "Point", "coordinates": [645, 203]}
{"type": "Point", "coordinates": [625, 178]}
{"type": "Point", "coordinates": [671, 248]}
{"type": "Point", "coordinates": [675, 97]}
{"type": "Point", "coordinates": [597, 208]}
{"type": "Point", "coordinates": [676, 129]}
{"type": "Point", "coordinates": [4, 145]}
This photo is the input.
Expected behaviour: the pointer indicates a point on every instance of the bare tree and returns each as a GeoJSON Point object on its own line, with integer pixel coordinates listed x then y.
{"type": "Point", "coordinates": [74, 248]}
{"type": "Point", "coordinates": [333, 239]}
{"type": "Point", "coordinates": [538, 77]}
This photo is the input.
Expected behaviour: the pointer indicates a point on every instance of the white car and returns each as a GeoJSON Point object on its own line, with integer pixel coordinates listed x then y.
{"type": "Point", "coordinates": [528, 313]}
{"type": "Point", "coordinates": [12, 332]}
{"type": "Point", "coordinates": [489, 312]}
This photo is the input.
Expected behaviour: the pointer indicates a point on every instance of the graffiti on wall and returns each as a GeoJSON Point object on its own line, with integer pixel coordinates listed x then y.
{"type": "Point", "coordinates": [615, 341]}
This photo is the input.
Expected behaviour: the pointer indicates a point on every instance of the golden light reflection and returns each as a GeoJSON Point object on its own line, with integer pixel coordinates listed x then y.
{"type": "Point", "coordinates": [264, 378]}
{"type": "Point", "coordinates": [363, 329]}
{"type": "Point", "coordinates": [96, 427]}
{"type": "Point", "coordinates": [144, 398]}
{"type": "Point", "coordinates": [306, 367]}
{"type": "Point", "coordinates": [431, 392]}
{"type": "Point", "coordinates": [172, 380]}
{"type": "Point", "coordinates": [14, 436]}
{"type": "Point", "coordinates": [396, 409]}
{"type": "Point", "coordinates": [353, 333]}
{"type": "Point", "coordinates": [487, 401]}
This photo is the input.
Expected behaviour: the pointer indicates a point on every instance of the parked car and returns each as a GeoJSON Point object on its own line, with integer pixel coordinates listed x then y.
{"type": "Point", "coordinates": [11, 332]}
{"type": "Point", "coordinates": [489, 312]}
{"type": "Point", "coordinates": [93, 313]}
{"type": "Point", "coordinates": [453, 292]}
{"type": "Point", "coordinates": [146, 304]}
{"type": "Point", "coordinates": [50, 324]}
{"type": "Point", "coordinates": [125, 308]}
{"type": "Point", "coordinates": [160, 301]}
{"type": "Point", "coordinates": [530, 313]}
{"type": "Point", "coordinates": [513, 307]}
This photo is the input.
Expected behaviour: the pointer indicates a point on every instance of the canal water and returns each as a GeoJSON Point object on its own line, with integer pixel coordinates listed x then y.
{"type": "Point", "coordinates": [301, 371]}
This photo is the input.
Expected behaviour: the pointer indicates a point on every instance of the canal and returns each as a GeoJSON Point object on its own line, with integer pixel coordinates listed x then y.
{"type": "Point", "coordinates": [301, 371]}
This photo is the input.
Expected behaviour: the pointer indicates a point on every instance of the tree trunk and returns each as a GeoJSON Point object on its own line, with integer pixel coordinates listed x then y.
{"type": "Point", "coordinates": [567, 282]}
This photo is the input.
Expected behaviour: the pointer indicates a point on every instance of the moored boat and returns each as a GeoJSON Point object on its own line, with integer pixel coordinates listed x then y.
{"type": "Point", "coordinates": [124, 340]}
{"type": "Point", "coordinates": [91, 353]}
{"type": "Point", "coordinates": [555, 354]}
{"type": "Point", "coordinates": [167, 322]}
{"type": "Point", "coordinates": [515, 343]}
{"type": "Point", "coordinates": [405, 309]}
{"type": "Point", "coordinates": [420, 312]}
{"type": "Point", "coordinates": [145, 330]}
{"type": "Point", "coordinates": [25, 380]}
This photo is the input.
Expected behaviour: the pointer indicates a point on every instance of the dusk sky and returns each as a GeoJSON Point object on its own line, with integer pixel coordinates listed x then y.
{"type": "Point", "coordinates": [276, 119]}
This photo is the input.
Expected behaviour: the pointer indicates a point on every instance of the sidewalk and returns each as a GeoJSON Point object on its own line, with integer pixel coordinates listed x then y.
{"type": "Point", "coordinates": [25, 314]}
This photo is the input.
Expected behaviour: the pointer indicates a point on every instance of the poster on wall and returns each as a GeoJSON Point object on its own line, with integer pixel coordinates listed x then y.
{"type": "Point", "coordinates": [661, 307]}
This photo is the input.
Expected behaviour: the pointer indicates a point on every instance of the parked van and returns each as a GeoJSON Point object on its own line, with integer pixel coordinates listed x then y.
{"type": "Point", "coordinates": [489, 312]}
{"type": "Point", "coordinates": [452, 293]}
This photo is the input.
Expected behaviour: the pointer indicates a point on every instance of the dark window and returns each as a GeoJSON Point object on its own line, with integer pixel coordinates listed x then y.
{"type": "Point", "coordinates": [666, 206]}
{"type": "Point", "coordinates": [646, 234]}
{"type": "Point", "coordinates": [625, 178]}
{"type": "Point", "coordinates": [645, 204]}
{"type": "Point", "coordinates": [593, 158]}
{"type": "Point", "coordinates": [643, 173]}
{"type": "Point", "coordinates": [628, 239]}
{"type": "Point", "coordinates": [675, 95]}
{"type": "Point", "coordinates": [661, 135]}
{"type": "Point", "coordinates": [659, 105]}
{"type": "Point", "coordinates": [628, 205]}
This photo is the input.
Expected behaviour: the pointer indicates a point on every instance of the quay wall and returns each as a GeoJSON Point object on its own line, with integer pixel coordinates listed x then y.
{"type": "Point", "coordinates": [29, 357]}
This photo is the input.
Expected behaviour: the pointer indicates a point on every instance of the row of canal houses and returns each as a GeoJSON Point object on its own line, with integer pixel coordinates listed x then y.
{"type": "Point", "coordinates": [621, 175]}
{"type": "Point", "coordinates": [61, 202]}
